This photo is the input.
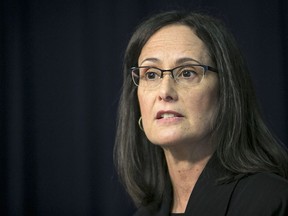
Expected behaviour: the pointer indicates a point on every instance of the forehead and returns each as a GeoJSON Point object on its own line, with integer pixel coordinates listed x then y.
{"type": "Point", "coordinates": [173, 42]}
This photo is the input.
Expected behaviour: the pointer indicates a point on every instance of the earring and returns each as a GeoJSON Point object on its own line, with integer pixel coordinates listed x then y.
{"type": "Point", "coordinates": [140, 123]}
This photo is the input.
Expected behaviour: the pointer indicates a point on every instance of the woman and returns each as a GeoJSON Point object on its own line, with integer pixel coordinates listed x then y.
{"type": "Point", "coordinates": [190, 139]}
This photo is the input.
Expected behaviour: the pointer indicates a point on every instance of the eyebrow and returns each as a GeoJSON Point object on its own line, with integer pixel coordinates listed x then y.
{"type": "Point", "coordinates": [186, 59]}
{"type": "Point", "coordinates": [178, 61]}
{"type": "Point", "coordinates": [150, 59]}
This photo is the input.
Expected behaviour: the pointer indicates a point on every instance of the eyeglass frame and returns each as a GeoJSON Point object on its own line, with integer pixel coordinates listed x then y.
{"type": "Point", "coordinates": [205, 67]}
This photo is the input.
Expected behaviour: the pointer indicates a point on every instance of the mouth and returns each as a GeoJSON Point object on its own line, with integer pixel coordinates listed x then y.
{"type": "Point", "coordinates": [168, 114]}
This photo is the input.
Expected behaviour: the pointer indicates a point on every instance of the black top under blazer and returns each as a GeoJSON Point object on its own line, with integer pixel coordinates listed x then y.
{"type": "Point", "coordinates": [260, 194]}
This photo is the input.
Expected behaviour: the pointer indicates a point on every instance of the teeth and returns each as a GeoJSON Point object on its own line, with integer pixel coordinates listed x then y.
{"type": "Point", "coordinates": [167, 115]}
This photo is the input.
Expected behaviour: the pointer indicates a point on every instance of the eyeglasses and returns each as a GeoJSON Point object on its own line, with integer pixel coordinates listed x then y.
{"type": "Point", "coordinates": [185, 75]}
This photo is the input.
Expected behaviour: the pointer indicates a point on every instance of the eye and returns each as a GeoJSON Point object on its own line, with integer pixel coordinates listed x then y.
{"type": "Point", "coordinates": [151, 74]}
{"type": "Point", "coordinates": [187, 73]}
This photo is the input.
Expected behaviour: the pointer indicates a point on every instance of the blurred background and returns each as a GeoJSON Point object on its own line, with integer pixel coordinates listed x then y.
{"type": "Point", "coordinates": [60, 81]}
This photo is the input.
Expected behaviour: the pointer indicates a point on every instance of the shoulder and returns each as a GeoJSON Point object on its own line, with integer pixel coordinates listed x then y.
{"type": "Point", "coordinates": [264, 183]}
{"type": "Point", "coordinates": [142, 211]}
{"type": "Point", "coordinates": [260, 194]}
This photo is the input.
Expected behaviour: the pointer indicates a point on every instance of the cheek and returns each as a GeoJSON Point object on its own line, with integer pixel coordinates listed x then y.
{"type": "Point", "coordinates": [203, 104]}
{"type": "Point", "coordinates": [210, 94]}
{"type": "Point", "coordinates": [145, 102]}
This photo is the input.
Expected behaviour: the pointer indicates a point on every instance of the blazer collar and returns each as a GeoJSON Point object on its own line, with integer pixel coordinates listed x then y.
{"type": "Point", "coordinates": [209, 197]}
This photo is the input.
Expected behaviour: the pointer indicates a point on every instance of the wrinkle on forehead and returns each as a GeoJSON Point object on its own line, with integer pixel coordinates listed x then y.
{"type": "Point", "coordinates": [173, 43]}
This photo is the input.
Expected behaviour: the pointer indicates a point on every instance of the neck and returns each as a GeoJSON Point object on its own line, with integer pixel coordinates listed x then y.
{"type": "Point", "coordinates": [185, 166]}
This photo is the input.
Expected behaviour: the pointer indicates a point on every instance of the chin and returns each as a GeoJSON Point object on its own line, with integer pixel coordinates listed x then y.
{"type": "Point", "coordinates": [175, 140]}
{"type": "Point", "coordinates": [168, 141]}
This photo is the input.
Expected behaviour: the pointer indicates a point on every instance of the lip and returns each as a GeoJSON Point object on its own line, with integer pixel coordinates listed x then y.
{"type": "Point", "coordinates": [161, 112]}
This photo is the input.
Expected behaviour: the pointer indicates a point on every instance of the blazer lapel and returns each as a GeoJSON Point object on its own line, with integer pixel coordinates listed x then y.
{"type": "Point", "coordinates": [209, 197]}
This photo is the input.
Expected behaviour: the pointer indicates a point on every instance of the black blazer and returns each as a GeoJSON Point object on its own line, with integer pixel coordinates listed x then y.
{"type": "Point", "coordinates": [261, 194]}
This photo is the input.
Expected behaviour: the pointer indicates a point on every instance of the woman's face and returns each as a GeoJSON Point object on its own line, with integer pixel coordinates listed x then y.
{"type": "Point", "coordinates": [171, 114]}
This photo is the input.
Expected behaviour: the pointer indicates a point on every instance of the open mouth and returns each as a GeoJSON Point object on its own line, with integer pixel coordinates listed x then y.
{"type": "Point", "coordinates": [167, 114]}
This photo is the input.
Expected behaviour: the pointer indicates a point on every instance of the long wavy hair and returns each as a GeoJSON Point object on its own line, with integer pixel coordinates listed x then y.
{"type": "Point", "coordinates": [243, 143]}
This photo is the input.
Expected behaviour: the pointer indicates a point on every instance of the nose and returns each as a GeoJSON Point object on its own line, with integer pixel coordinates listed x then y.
{"type": "Point", "coordinates": [167, 90]}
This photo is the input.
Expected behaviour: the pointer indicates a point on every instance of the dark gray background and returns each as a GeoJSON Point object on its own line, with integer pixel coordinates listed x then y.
{"type": "Point", "coordinates": [61, 73]}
